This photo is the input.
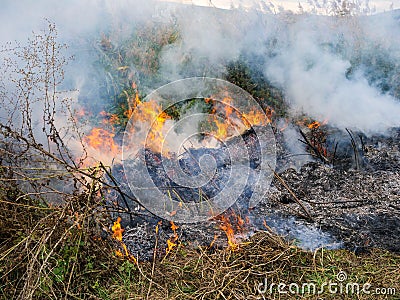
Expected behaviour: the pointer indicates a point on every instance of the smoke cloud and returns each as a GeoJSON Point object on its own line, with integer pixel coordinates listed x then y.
{"type": "Point", "coordinates": [340, 69]}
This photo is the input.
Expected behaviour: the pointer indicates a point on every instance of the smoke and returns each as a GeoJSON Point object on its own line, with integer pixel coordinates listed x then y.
{"type": "Point", "coordinates": [297, 150]}
{"type": "Point", "coordinates": [342, 70]}
{"type": "Point", "coordinates": [314, 76]}
{"type": "Point", "coordinates": [307, 236]}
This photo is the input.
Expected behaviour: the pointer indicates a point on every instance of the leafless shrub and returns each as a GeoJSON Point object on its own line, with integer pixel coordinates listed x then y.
{"type": "Point", "coordinates": [37, 119]}
{"type": "Point", "coordinates": [341, 8]}
{"type": "Point", "coordinates": [48, 203]}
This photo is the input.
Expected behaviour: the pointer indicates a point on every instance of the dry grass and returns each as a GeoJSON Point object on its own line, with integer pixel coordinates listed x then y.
{"type": "Point", "coordinates": [199, 274]}
{"type": "Point", "coordinates": [62, 253]}
{"type": "Point", "coordinates": [51, 252]}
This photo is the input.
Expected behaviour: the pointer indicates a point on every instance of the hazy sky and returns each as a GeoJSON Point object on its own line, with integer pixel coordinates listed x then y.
{"type": "Point", "coordinates": [380, 5]}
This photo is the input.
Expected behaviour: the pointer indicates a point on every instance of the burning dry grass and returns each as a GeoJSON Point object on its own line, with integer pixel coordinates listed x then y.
{"type": "Point", "coordinates": [69, 252]}
{"type": "Point", "coordinates": [54, 253]}
{"type": "Point", "coordinates": [223, 274]}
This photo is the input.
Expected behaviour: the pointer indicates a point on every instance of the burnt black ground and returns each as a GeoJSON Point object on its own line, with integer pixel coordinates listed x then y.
{"type": "Point", "coordinates": [353, 206]}
{"type": "Point", "coordinates": [358, 207]}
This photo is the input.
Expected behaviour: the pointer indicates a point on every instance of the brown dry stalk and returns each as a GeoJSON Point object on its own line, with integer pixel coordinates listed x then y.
{"type": "Point", "coordinates": [291, 193]}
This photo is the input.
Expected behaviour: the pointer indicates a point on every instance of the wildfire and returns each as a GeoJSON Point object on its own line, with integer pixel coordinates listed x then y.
{"type": "Point", "coordinates": [255, 118]}
{"type": "Point", "coordinates": [312, 125]}
{"type": "Point", "coordinates": [102, 140]}
{"type": "Point", "coordinates": [222, 129]}
{"type": "Point", "coordinates": [152, 114]}
{"type": "Point", "coordinates": [117, 235]}
{"type": "Point", "coordinates": [316, 138]}
{"type": "Point", "coordinates": [234, 121]}
{"type": "Point", "coordinates": [225, 119]}
{"type": "Point", "coordinates": [132, 103]}
{"type": "Point", "coordinates": [117, 230]}
{"type": "Point", "coordinates": [101, 145]}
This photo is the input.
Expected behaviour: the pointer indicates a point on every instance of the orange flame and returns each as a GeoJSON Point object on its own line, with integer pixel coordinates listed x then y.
{"type": "Point", "coordinates": [171, 243]}
{"type": "Point", "coordinates": [226, 226]}
{"type": "Point", "coordinates": [103, 141]}
{"type": "Point", "coordinates": [117, 230]}
{"type": "Point", "coordinates": [234, 121]}
{"type": "Point", "coordinates": [132, 104]}
{"type": "Point", "coordinates": [229, 222]}
{"type": "Point", "coordinates": [314, 125]}
{"type": "Point", "coordinates": [317, 139]}
{"type": "Point", "coordinates": [170, 246]}
{"type": "Point", "coordinates": [152, 114]}
{"type": "Point", "coordinates": [227, 123]}
{"type": "Point", "coordinates": [255, 118]}
{"type": "Point", "coordinates": [117, 235]}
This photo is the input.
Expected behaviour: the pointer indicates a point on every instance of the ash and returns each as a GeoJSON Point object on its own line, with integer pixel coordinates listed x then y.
{"type": "Point", "coordinates": [354, 205]}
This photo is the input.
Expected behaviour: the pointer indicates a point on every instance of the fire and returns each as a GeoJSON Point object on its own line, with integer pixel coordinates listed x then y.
{"type": "Point", "coordinates": [150, 113]}
{"type": "Point", "coordinates": [232, 223]}
{"type": "Point", "coordinates": [170, 246]}
{"type": "Point", "coordinates": [132, 103]}
{"type": "Point", "coordinates": [317, 137]}
{"type": "Point", "coordinates": [117, 230]}
{"type": "Point", "coordinates": [102, 141]}
{"type": "Point", "coordinates": [99, 143]}
{"type": "Point", "coordinates": [171, 243]}
{"type": "Point", "coordinates": [234, 121]}
{"type": "Point", "coordinates": [255, 118]}
{"type": "Point", "coordinates": [117, 235]}
{"type": "Point", "coordinates": [226, 127]}
{"type": "Point", "coordinates": [314, 125]}
{"type": "Point", "coordinates": [226, 226]}
{"type": "Point", "coordinates": [225, 120]}
{"type": "Point", "coordinates": [222, 129]}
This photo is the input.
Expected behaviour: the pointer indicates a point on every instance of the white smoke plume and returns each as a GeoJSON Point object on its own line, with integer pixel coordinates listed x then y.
{"type": "Point", "coordinates": [324, 65]}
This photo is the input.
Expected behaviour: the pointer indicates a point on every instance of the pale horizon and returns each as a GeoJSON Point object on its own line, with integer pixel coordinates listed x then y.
{"type": "Point", "coordinates": [377, 6]}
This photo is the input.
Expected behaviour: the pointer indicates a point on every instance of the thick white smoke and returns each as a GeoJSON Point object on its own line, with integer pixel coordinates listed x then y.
{"type": "Point", "coordinates": [314, 79]}
{"type": "Point", "coordinates": [313, 59]}
{"type": "Point", "coordinates": [308, 57]}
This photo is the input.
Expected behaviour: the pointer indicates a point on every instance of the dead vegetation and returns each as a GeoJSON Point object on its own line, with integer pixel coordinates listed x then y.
{"type": "Point", "coordinates": [55, 237]}
{"type": "Point", "coordinates": [52, 206]}
{"type": "Point", "coordinates": [223, 274]}
{"type": "Point", "coordinates": [51, 252]}
{"type": "Point", "coordinates": [60, 253]}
